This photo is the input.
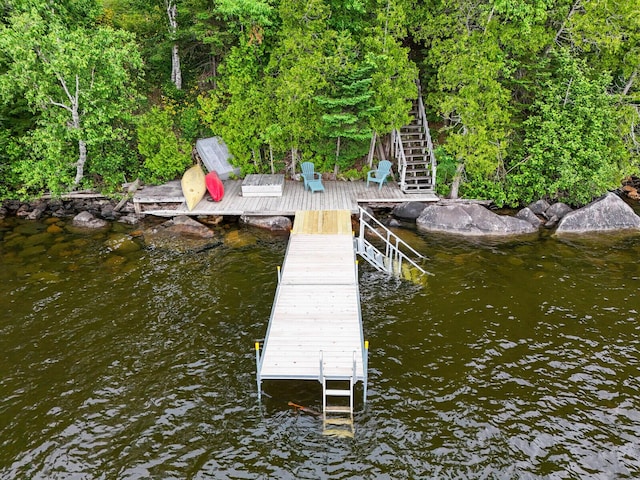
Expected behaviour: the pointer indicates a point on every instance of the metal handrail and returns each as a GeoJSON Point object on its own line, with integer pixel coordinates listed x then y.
{"type": "Point", "coordinates": [400, 156]}
{"type": "Point", "coordinates": [425, 126]}
{"type": "Point", "coordinates": [393, 244]}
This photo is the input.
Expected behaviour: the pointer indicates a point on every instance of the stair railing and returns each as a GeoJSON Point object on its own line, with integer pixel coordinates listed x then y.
{"type": "Point", "coordinates": [395, 247]}
{"type": "Point", "coordinates": [398, 152]}
{"type": "Point", "coordinates": [425, 127]}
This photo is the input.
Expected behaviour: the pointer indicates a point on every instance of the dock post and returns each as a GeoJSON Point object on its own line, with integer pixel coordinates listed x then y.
{"type": "Point", "coordinates": [257, 346]}
{"type": "Point", "coordinates": [364, 371]}
{"type": "Point", "coordinates": [279, 273]}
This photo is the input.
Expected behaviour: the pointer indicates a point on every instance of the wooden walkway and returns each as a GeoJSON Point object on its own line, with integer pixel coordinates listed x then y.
{"type": "Point", "coordinates": [317, 304]}
{"type": "Point", "coordinates": [338, 195]}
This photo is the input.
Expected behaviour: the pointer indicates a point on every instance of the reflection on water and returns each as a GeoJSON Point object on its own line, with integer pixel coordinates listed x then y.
{"type": "Point", "coordinates": [518, 359]}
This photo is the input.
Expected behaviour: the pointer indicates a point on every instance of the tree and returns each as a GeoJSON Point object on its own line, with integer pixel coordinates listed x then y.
{"type": "Point", "coordinates": [573, 148]}
{"type": "Point", "coordinates": [80, 84]}
{"type": "Point", "coordinates": [348, 106]}
{"type": "Point", "coordinates": [166, 154]}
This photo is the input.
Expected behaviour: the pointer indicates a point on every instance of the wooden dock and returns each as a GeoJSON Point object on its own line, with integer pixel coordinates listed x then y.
{"type": "Point", "coordinates": [167, 200]}
{"type": "Point", "coordinates": [315, 328]}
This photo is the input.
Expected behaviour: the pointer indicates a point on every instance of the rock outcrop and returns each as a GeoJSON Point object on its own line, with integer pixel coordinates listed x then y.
{"type": "Point", "coordinates": [471, 219]}
{"type": "Point", "coordinates": [274, 223]}
{"type": "Point", "coordinates": [408, 211]}
{"type": "Point", "coordinates": [87, 220]}
{"type": "Point", "coordinates": [607, 214]}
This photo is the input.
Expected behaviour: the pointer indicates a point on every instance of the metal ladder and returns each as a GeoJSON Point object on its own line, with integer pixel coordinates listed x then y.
{"type": "Point", "coordinates": [337, 402]}
{"type": "Point", "coordinates": [398, 258]}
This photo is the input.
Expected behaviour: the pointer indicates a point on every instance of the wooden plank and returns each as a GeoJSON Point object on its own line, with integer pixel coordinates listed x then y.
{"type": "Point", "coordinates": [338, 195]}
{"type": "Point", "coordinates": [317, 304]}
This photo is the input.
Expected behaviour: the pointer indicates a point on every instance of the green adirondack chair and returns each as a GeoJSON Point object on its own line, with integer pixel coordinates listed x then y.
{"type": "Point", "coordinates": [379, 175]}
{"type": "Point", "coordinates": [312, 179]}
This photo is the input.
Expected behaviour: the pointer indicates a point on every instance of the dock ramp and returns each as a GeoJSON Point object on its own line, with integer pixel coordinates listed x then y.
{"type": "Point", "coordinates": [315, 328]}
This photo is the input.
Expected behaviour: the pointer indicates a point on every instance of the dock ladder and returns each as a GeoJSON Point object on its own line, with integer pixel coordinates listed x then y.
{"type": "Point", "coordinates": [337, 401]}
{"type": "Point", "coordinates": [390, 254]}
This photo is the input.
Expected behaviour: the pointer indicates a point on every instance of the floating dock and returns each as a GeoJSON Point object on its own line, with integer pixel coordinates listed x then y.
{"type": "Point", "coordinates": [315, 329]}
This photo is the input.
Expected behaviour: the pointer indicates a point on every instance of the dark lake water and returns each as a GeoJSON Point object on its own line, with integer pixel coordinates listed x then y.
{"type": "Point", "coordinates": [518, 359]}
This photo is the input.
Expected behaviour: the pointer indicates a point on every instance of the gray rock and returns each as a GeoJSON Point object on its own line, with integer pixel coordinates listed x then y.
{"type": "Point", "coordinates": [408, 211]}
{"type": "Point", "coordinates": [470, 219]}
{"type": "Point", "coordinates": [539, 207]}
{"type": "Point", "coordinates": [552, 222]}
{"type": "Point", "coordinates": [87, 220]}
{"type": "Point", "coordinates": [121, 243]}
{"type": "Point", "coordinates": [107, 212]}
{"type": "Point", "coordinates": [274, 223]}
{"type": "Point", "coordinates": [393, 223]}
{"type": "Point", "coordinates": [181, 234]}
{"type": "Point", "coordinates": [527, 215]}
{"type": "Point", "coordinates": [130, 219]}
{"type": "Point", "coordinates": [607, 214]}
{"type": "Point", "coordinates": [37, 211]}
{"type": "Point", "coordinates": [23, 211]}
{"type": "Point", "coordinates": [185, 225]}
{"type": "Point", "coordinates": [558, 210]}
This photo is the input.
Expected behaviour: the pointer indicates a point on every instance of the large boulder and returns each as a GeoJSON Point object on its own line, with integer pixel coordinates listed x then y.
{"type": "Point", "coordinates": [185, 225]}
{"type": "Point", "coordinates": [275, 223]}
{"type": "Point", "coordinates": [181, 234]}
{"type": "Point", "coordinates": [87, 220]}
{"type": "Point", "coordinates": [558, 210]}
{"type": "Point", "coordinates": [607, 214]}
{"type": "Point", "coordinates": [528, 215]}
{"type": "Point", "coordinates": [470, 219]}
{"type": "Point", "coordinates": [539, 207]}
{"type": "Point", "coordinates": [408, 210]}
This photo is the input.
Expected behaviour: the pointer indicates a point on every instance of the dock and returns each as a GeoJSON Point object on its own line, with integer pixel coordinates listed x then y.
{"type": "Point", "coordinates": [315, 329]}
{"type": "Point", "coordinates": [167, 200]}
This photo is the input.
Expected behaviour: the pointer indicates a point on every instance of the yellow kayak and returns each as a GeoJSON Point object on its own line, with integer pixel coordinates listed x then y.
{"type": "Point", "coordinates": [193, 186]}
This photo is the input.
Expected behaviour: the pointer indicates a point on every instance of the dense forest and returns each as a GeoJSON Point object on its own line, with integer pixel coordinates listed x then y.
{"type": "Point", "coordinates": [527, 99]}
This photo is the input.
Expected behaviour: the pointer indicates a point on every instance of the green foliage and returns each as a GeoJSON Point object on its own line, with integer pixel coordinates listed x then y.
{"type": "Point", "coordinates": [48, 161]}
{"type": "Point", "coordinates": [80, 86]}
{"type": "Point", "coordinates": [9, 152]}
{"type": "Point", "coordinates": [288, 81]}
{"type": "Point", "coordinates": [573, 149]}
{"type": "Point", "coordinates": [471, 96]}
{"type": "Point", "coordinates": [446, 171]}
{"type": "Point", "coordinates": [166, 155]}
{"type": "Point", "coordinates": [348, 107]}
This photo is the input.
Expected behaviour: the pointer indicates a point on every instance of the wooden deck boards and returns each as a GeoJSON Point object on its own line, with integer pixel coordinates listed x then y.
{"type": "Point", "coordinates": [338, 195]}
{"type": "Point", "coordinates": [317, 304]}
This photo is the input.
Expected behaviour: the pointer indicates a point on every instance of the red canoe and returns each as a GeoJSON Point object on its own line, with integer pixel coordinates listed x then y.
{"type": "Point", "coordinates": [214, 185]}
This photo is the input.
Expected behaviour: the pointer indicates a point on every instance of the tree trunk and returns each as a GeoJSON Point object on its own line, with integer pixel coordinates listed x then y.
{"type": "Point", "coordinates": [176, 71]}
{"type": "Point", "coordinates": [457, 178]}
{"type": "Point", "coordinates": [556, 39]}
{"type": "Point", "coordinates": [82, 159]}
{"type": "Point", "coordinates": [294, 155]}
{"type": "Point", "coordinates": [335, 165]}
{"type": "Point", "coordinates": [629, 84]}
{"type": "Point", "coordinates": [372, 147]}
{"type": "Point", "coordinates": [273, 168]}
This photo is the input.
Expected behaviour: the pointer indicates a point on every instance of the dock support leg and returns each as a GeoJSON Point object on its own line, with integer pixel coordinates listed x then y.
{"type": "Point", "coordinates": [258, 380]}
{"type": "Point", "coordinates": [364, 371]}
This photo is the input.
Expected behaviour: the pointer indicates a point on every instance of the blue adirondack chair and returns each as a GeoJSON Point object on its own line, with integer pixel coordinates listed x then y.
{"type": "Point", "coordinates": [379, 175]}
{"type": "Point", "coordinates": [312, 179]}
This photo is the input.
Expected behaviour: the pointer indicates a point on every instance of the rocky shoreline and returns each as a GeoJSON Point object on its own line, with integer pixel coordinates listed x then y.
{"type": "Point", "coordinates": [460, 217]}
{"type": "Point", "coordinates": [98, 206]}
{"type": "Point", "coordinates": [608, 213]}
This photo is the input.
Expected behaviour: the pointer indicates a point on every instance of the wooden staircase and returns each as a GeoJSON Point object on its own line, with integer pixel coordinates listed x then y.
{"type": "Point", "coordinates": [413, 150]}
